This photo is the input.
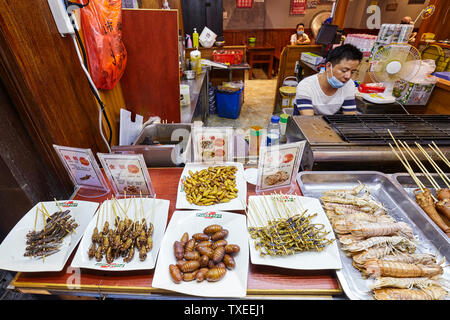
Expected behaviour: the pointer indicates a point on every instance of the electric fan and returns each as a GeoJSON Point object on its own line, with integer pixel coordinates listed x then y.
{"type": "Point", "coordinates": [393, 62]}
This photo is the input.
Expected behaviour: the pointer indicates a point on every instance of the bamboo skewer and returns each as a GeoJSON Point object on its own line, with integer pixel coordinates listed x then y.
{"type": "Point", "coordinates": [435, 166]}
{"type": "Point", "coordinates": [420, 165]}
{"type": "Point", "coordinates": [408, 168]}
{"type": "Point", "coordinates": [439, 153]}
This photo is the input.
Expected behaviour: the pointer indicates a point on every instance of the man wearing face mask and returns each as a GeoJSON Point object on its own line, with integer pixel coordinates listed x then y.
{"type": "Point", "coordinates": [300, 37]}
{"type": "Point", "coordinates": [333, 90]}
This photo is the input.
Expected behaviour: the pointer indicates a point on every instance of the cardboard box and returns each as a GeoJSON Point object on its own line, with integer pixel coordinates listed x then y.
{"type": "Point", "coordinates": [312, 58]}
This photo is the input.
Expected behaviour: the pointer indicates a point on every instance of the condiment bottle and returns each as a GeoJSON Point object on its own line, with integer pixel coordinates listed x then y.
{"type": "Point", "coordinates": [195, 38]}
{"type": "Point", "coordinates": [255, 140]}
{"type": "Point", "coordinates": [273, 131]}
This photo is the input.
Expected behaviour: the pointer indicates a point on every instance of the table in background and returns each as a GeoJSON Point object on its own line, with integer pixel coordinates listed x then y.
{"type": "Point", "coordinates": [260, 53]}
{"type": "Point", "coordinates": [263, 281]}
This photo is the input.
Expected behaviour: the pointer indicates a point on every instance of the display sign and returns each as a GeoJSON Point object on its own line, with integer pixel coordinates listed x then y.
{"type": "Point", "coordinates": [298, 7]}
{"type": "Point", "coordinates": [83, 171]}
{"type": "Point", "coordinates": [278, 167]}
{"type": "Point", "coordinates": [127, 174]}
{"type": "Point", "coordinates": [213, 144]}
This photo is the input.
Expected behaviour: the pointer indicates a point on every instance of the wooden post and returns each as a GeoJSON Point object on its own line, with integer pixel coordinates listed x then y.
{"type": "Point", "coordinates": [340, 12]}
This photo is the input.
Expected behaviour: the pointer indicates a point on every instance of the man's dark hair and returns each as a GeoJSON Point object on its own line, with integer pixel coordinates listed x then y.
{"type": "Point", "coordinates": [345, 51]}
{"type": "Point", "coordinates": [300, 24]}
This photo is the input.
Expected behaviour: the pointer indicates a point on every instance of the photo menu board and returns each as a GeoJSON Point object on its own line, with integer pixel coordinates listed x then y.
{"type": "Point", "coordinates": [278, 167]}
{"type": "Point", "coordinates": [83, 170]}
{"type": "Point", "coordinates": [127, 174]}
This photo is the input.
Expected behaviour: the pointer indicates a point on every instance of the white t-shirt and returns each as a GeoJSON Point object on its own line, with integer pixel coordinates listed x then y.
{"type": "Point", "coordinates": [294, 37]}
{"type": "Point", "coordinates": [309, 95]}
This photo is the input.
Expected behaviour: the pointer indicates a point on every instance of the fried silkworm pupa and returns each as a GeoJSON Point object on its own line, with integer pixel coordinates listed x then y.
{"type": "Point", "coordinates": [232, 249]}
{"type": "Point", "coordinates": [190, 266]}
{"type": "Point", "coordinates": [201, 274]}
{"type": "Point", "coordinates": [175, 273]}
{"type": "Point", "coordinates": [180, 263]}
{"type": "Point", "coordinates": [191, 255]}
{"type": "Point", "coordinates": [204, 259]}
{"type": "Point", "coordinates": [189, 276]}
{"type": "Point", "coordinates": [219, 243]}
{"type": "Point", "coordinates": [229, 262]}
{"type": "Point", "coordinates": [204, 244]}
{"type": "Point", "coordinates": [220, 265]}
{"type": "Point", "coordinates": [211, 229]}
{"type": "Point", "coordinates": [219, 235]}
{"type": "Point", "coordinates": [184, 238]}
{"type": "Point", "coordinates": [218, 254]}
{"type": "Point", "coordinates": [200, 237]}
{"type": "Point", "coordinates": [206, 251]}
{"type": "Point", "coordinates": [215, 274]}
{"type": "Point", "coordinates": [190, 245]}
{"type": "Point", "coordinates": [178, 250]}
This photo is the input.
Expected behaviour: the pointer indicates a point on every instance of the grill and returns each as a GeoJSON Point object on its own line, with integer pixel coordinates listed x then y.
{"type": "Point", "coordinates": [372, 129]}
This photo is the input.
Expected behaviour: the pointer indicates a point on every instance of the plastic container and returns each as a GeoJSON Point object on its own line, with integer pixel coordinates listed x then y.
{"type": "Point", "coordinates": [287, 96]}
{"type": "Point", "coordinates": [228, 56]}
{"type": "Point", "coordinates": [273, 131]}
{"type": "Point", "coordinates": [229, 104]}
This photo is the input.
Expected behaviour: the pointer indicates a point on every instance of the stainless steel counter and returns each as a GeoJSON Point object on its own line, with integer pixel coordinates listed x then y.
{"type": "Point", "coordinates": [198, 87]}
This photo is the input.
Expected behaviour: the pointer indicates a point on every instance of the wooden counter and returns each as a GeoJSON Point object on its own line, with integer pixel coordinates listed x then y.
{"type": "Point", "coordinates": [262, 280]}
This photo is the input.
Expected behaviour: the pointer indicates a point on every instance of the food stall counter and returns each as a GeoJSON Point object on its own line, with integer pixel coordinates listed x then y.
{"type": "Point", "coordinates": [263, 281]}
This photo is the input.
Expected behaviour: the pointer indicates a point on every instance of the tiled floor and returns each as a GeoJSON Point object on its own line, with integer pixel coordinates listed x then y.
{"type": "Point", "coordinates": [259, 95]}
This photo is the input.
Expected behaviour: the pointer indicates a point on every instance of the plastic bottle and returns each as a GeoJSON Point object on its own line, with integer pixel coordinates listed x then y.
{"type": "Point", "coordinates": [283, 123]}
{"type": "Point", "coordinates": [189, 41]}
{"type": "Point", "coordinates": [195, 38]}
{"type": "Point", "coordinates": [195, 60]}
{"type": "Point", "coordinates": [255, 140]}
{"type": "Point", "coordinates": [273, 131]}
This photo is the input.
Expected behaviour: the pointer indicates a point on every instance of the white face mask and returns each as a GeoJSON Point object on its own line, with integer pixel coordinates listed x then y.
{"type": "Point", "coordinates": [300, 33]}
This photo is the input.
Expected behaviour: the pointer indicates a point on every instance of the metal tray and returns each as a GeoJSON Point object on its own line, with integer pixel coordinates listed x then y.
{"type": "Point", "coordinates": [400, 206]}
{"type": "Point", "coordinates": [408, 184]}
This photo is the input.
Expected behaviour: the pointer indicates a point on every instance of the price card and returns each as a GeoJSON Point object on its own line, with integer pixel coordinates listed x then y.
{"type": "Point", "coordinates": [278, 167]}
{"type": "Point", "coordinates": [213, 144]}
{"type": "Point", "coordinates": [128, 174]}
{"type": "Point", "coordinates": [83, 171]}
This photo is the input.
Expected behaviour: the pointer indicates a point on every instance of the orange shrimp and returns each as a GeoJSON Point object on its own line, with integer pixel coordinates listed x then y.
{"type": "Point", "coordinates": [431, 293]}
{"type": "Point", "coordinates": [381, 268]}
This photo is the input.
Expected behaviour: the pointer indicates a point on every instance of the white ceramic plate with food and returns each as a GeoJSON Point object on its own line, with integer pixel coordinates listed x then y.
{"type": "Point", "coordinates": [234, 204]}
{"type": "Point", "coordinates": [234, 283]}
{"type": "Point", "coordinates": [153, 210]}
{"type": "Point", "coordinates": [14, 246]}
{"type": "Point", "coordinates": [261, 207]}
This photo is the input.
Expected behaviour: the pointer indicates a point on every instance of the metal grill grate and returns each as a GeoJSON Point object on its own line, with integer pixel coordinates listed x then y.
{"type": "Point", "coordinates": [372, 129]}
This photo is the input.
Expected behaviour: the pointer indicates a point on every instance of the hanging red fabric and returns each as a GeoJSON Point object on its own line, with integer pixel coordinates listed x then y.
{"type": "Point", "coordinates": [101, 22]}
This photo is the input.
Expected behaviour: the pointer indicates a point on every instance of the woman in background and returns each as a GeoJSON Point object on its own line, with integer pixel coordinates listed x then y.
{"type": "Point", "coordinates": [300, 37]}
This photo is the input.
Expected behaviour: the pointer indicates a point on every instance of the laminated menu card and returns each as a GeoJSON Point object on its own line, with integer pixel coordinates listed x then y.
{"type": "Point", "coordinates": [278, 167]}
{"type": "Point", "coordinates": [127, 174]}
{"type": "Point", "coordinates": [83, 171]}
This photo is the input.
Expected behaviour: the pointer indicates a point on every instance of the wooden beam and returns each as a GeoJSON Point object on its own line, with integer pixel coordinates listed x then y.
{"type": "Point", "coordinates": [340, 12]}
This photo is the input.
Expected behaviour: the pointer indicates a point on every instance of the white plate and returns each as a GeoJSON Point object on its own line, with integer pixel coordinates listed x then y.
{"type": "Point", "coordinates": [13, 246]}
{"type": "Point", "coordinates": [155, 211]}
{"type": "Point", "coordinates": [234, 283]}
{"type": "Point", "coordinates": [329, 258]}
{"type": "Point", "coordinates": [234, 204]}
{"type": "Point", "coordinates": [251, 175]}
